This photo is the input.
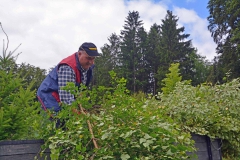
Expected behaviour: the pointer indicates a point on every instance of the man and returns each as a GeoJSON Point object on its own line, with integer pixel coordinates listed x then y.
{"type": "Point", "coordinates": [76, 68]}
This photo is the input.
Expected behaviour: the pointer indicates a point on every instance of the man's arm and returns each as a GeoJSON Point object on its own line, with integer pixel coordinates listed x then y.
{"type": "Point", "coordinates": [65, 74]}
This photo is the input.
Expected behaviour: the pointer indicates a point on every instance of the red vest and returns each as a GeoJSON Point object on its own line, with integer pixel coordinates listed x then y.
{"type": "Point", "coordinates": [71, 61]}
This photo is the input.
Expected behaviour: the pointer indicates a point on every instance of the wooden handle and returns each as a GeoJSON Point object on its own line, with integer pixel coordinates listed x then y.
{"type": "Point", "coordinates": [89, 127]}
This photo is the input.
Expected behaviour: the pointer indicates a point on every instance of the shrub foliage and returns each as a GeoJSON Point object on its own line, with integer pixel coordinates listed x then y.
{"type": "Point", "coordinates": [124, 128]}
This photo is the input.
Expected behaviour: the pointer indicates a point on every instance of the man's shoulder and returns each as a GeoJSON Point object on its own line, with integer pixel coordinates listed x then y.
{"type": "Point", "coordinates": [64, 67]}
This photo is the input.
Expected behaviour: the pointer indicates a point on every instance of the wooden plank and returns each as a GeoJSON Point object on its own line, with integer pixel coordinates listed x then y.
{"type": "Point", "coordinates": [202, 150]}
{"type": "Point", "coordinates": [201, 146]}
{"type": "Point", "coordinates": [22, 150]}
{"type": "Point", "coordinates": [14, 142]}
{"type": "Point", "coordinates": [19, 149]}
{"type": "Point", "coordinates": [199, 138]}
{"type": "Point", "coordinates": [216, 149]}
{"type": "Point", "coordinates": [24, 157]}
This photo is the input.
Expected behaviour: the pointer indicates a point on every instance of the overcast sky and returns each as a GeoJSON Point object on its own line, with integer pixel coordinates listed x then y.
{"type": "Point", "coordinates": [50, 30]}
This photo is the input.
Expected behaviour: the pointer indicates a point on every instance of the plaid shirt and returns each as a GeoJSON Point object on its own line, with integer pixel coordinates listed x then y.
{"type": "Point", "coordinates": [66, 74]}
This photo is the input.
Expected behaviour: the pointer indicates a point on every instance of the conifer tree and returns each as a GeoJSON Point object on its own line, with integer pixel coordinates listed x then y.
{"type": "Point", "coordinates": [130, 49]}
{"type": "Point", "coordinates": [153, 56]}
{"type": "Point", "coordinates": [142, 69]}
{"type": "Point", "coordinates": [18, 108]}
{"type": "Point", "coordinates": [175, 48]}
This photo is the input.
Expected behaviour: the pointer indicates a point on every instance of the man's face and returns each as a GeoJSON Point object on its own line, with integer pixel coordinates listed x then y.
{"type": "Point", "coordinates": [85, 60]}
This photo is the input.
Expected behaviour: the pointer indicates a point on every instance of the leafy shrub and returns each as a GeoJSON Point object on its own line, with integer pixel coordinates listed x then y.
{"type": "Point", "coordinates": [124, 128]}
{"type": "Point", "coordinates": [208, 110]}
{"type": "Point", "coordinates": [171, 78]}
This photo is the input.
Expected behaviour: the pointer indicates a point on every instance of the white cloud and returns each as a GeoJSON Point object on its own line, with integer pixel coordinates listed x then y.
{"type": "Point", "coordinates": [199, 33]}
{"type": "Point", "coordinates": [149, 12]}
{"type": "Point", "coordinates": [50, 30]}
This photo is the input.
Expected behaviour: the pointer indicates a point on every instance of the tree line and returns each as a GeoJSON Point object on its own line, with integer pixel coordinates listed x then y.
{"type": "Point", "coordinates": [143, 58]}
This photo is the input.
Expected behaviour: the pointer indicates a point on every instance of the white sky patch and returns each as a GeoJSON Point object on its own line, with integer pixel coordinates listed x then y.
{"type": "Point", "coordinates": [50, 30]}
{"type": "Point", "coordinates": [149, 12]}
{"type": "Point", "coordinates": [199, 33]}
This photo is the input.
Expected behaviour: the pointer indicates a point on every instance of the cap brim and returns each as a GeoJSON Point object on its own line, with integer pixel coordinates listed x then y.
{"type": "Point", "coordinates": [92, 53]}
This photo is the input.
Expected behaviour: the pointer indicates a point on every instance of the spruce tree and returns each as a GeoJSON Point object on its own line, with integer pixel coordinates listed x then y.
{"type": "Point", "coordinates": [175, 48]}
{"type": "Point", "coordinates": [19, 118]}
{"type": "Point", "coordinates": [153, 56]}
{"type": "Point", "coordinates": [130, 49]}
{"type": "Point", "coordinates": [142, 69]}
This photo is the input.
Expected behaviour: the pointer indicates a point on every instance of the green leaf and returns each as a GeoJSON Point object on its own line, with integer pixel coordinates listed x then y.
{"type": "Point", "coordinates": [169, 152]}
{"type": "Point", "coordinates": [125, 156]}
{"type": "Point", "coordinates": [51, 146]}
{"type": "Point", "coordinates": [107, 157]}
{"type": "Point", "coordinates": [181, 137]}
{"type": "Point", "coordinates": [165, 147]}
{"type": "Point", "coordinates": [80, 157]}
{"type": "Point", "coordinates": [147, 136]}
{"type": "Point", "coordinates": [104, 136]}
{"type": "Point", "coordinates": [78, 147]}
{"type": "Point", "coordinates": [142, 140]}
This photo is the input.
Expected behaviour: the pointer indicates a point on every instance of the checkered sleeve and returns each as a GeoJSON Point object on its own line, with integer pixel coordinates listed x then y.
{"type": "Point", "coordinates": [65, 74]}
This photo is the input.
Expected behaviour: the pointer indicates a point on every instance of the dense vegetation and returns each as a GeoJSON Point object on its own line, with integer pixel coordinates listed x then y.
{"type": "Point", "coordinates": [140, 127]}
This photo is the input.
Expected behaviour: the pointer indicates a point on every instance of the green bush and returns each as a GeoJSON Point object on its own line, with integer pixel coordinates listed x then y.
{"type": "Point", "coordinates": [124, 128]}
{"type": "Point", "coordinates": [208, 110]}
{"type": "Point", "coordinates": [19, 118]}
{"type": "Point", "coordinates": [19, 112]}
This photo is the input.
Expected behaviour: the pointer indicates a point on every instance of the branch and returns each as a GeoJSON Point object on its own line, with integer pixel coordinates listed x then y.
{"type": "Point", "coordinates": [89, 127]}
{"type": "Point", "coordinates": [10, 53]}
{"type": "Point", "coordinates": [7, 38]}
